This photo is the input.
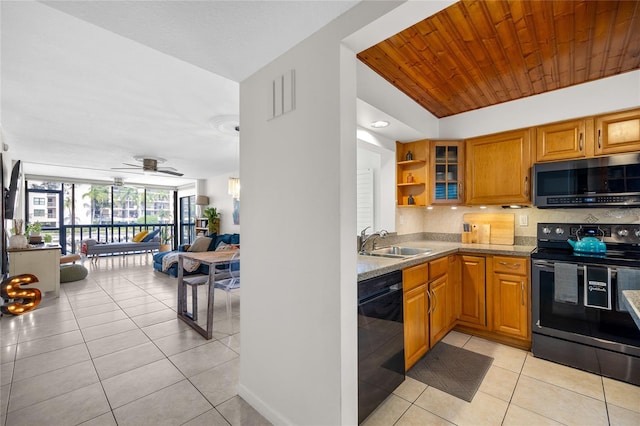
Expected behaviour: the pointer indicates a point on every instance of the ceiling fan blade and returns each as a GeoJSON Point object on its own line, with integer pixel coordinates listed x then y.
{"type": "Point", "coordinates": [125, 168]}
{"type": "Point", "coordinates": [137, 166]}
{"type": "Point", "coordinates": [170, 172]}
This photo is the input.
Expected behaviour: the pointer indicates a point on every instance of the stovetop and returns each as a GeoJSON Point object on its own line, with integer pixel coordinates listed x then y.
{"type": "Point", "coordinates": [622, 241]}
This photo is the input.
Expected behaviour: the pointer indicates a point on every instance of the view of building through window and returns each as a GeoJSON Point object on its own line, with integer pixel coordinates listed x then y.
{"type": "Point", "coordinates": [75, 211]}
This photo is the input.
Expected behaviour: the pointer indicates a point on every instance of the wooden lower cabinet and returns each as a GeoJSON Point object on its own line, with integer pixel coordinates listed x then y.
{"type": "Point", "coordinates": [472, 299]}
{"type": "Point", "coordinates": [416, 314]}
{"type": "Point", "coordinates": [488, 296]}
{"type": "Point", "coordinates": [511, 301]}
{"type": "Point", "coordinates": [438, 324]}
{"type": "Point", "coordinates": [453, 290]}
{"type": "Point", "coordinates": [426, 308]}
{"type": "Point", "coordinates": [416, 325]}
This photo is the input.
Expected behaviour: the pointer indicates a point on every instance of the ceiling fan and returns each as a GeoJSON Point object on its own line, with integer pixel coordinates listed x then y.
{"type": "Point", "coordinates": [150, 164]}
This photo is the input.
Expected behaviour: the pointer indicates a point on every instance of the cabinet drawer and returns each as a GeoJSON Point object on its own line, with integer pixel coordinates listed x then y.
{"type": "Point", "coordinates": [510, 265]}
{"type": "Point", "coordinates": [414, 276]}
{"type": "Point", "coordinates": [438, 267]}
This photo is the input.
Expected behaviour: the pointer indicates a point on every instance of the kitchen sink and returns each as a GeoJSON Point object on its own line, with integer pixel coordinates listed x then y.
{"type": "Point", "coordinates": [398, 252]}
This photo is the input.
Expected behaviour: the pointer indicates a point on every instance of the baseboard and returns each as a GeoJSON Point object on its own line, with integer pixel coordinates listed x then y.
{"type": "Point", "coordinates": [275, 417]}
{"type": "Point", "coordinates": [524, 344]}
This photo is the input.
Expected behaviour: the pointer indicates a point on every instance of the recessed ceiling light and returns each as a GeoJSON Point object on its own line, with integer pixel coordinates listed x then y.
{"type": "Point", "coordinates": [379, 124]}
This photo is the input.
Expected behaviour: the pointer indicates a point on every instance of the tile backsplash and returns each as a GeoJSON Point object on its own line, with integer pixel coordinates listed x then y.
{"type": "Point", "coordinates": [449, 221]}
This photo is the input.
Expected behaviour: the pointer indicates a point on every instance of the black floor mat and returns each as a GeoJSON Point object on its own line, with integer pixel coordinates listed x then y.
{"type": "Point", "coordinates": [451, 369]}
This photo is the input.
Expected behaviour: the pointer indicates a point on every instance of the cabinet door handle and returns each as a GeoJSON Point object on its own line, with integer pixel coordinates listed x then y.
{"type": "Point", "coordinates": [429, 297]}
{"type": "Point", "coordinates": [580, 141]}
{"type": "Point", "coordinates": [435, 301]}
{"type": "Point", "coordinates": [460, 189]}
{"type": "Point", "coordinates": [526, 186]}
{"type": "Point", "coordinates": [522, 291]}
{"type": "Point", "coordinates": [599, 138]}
{"type": "Point", "coordinates": [510, 265]}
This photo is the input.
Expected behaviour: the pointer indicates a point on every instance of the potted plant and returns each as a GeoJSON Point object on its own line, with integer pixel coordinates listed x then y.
{"type": "Point", "coordinates": [165, 238]}
{"type": "Point", "coordinates": [213, 219]}
{"type": "Point", "coordinates": [33, 231]}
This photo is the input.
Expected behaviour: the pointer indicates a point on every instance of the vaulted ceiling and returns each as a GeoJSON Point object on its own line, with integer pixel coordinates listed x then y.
{"type": "Point", "coordinates": [475, 54]}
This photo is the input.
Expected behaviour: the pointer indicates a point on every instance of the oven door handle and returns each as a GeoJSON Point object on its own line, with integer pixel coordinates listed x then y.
{"type": "Point", "coordinates": [545, 264]}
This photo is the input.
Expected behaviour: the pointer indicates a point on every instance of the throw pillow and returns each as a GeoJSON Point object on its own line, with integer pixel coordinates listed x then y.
{"type": "Point", "coordinates": [200, 244]}
{"type": "Point", "coordinates": [224, 247]}
{"type": "Point", "coordinates": [139, 236]}
{"type": "Point", "coordinates": [151, 235]}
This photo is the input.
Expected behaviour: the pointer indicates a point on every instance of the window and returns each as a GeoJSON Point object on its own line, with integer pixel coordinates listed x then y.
{"type": "Point", "coordinates": [38, 201]}
{"type": "Point", "coordinates": [51, 213]}
{"type": "Point", "coordinates": [38, 212]}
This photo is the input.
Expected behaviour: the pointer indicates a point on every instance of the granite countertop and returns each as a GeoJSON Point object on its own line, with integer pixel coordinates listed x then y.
{"type": "Point", "coordinates": [633, 302]}
{"type": "Point", "coordinates": [370, 266]}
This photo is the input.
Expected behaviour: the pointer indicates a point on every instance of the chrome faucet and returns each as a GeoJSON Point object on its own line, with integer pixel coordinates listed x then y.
{"type": "Point", "coordinates": [364, 239]}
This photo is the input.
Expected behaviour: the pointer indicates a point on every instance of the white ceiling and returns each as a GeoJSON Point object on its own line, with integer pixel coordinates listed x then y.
{"type": "Point", "coordinates": [79, 92]}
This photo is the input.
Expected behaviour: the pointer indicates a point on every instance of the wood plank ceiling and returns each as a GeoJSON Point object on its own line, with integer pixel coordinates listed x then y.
{"type": "Point", "coordinates": [480, 53]}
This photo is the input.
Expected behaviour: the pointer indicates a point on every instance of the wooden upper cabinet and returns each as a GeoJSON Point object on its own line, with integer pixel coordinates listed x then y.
{"type": "Point", "coordinates": [498, 169]}
{"type": "Point", "coordinates": [412, 165]}
{"type": "Point", "coordinates": [565, 140]}
{"type": "Point", "coordinates": [618, 132]}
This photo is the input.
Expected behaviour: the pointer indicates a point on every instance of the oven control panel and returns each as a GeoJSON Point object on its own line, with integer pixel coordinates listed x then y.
{"type": "Point", "coordinates": [609, 233]}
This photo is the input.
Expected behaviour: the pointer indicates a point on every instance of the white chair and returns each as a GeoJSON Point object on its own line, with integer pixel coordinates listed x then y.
{"type": "Point", "coordinates": [231, 283]}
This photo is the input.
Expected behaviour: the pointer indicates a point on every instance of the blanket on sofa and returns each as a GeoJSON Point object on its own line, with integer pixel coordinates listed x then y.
{"type": "Point", "coordinates": [189, 265]}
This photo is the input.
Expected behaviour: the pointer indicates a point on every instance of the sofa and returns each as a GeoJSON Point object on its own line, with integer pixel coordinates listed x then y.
{"type": "Point", "coordinates": [216, 241]}
{"type": "Point", "coordinates": [143, 241]}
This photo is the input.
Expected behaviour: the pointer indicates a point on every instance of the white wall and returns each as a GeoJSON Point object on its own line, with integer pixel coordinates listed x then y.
{"type": "Point", "coordinates": [216, 188]}
{"type": "Point", "coordinates": [298, 312]}
{"type": "Point", "coordinates": [378, 153]}
{"type": "Point", "coordinates": [609, 94]}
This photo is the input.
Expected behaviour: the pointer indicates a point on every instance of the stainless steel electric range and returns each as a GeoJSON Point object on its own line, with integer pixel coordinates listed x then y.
{"type": "Point", "coordinates": [579, 315]}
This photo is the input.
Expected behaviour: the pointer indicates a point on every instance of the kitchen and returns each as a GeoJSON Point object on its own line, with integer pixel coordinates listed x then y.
{"type": "Point", "coordinates": [500, 170]}
{"type": "Point", "coordinates": [320, 195]}
{"type": "Point", "coordinates": [507, 268]}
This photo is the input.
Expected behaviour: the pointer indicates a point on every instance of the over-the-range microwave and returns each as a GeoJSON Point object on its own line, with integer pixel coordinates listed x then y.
{"type": "Point", "coordinates": [612, 181]}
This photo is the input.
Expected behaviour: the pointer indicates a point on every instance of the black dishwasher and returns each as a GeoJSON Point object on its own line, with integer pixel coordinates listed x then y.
{"type": "Point", "coordinates": [380, 340]}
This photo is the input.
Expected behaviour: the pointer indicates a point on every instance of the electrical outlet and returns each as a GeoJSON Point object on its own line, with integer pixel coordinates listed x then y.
{"type": "Point", "coordinates": [524, 220]}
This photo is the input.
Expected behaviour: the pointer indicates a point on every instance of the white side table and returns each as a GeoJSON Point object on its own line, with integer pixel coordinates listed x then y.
{"type": "Point", "coordinates": [43, 262]}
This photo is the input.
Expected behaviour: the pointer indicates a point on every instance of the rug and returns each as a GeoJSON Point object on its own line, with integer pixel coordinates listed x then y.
{"type": "Point", "coordinates": [456, 371]}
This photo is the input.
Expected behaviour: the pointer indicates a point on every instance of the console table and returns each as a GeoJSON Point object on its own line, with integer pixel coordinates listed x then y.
{"type": "Point", "coordinates": [41, 261]}
{"type": "Point", "coordinates": [211, 258]}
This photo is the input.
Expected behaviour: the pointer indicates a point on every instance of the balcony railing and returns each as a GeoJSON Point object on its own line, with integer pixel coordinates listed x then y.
{"type": "Point", "coordinates": [74, 234]}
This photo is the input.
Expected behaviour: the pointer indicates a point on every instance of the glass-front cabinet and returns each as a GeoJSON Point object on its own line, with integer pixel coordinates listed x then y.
{"type": "Point", "coordinates": [447, 169]}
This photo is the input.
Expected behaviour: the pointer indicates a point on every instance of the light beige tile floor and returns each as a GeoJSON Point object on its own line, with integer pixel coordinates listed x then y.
{"type": "Point", "coordinates": [517, 390]}
{"type": "Point", "coordinates": [110, 350]}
